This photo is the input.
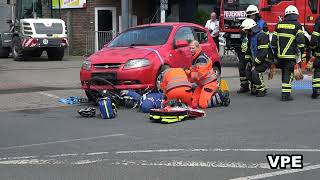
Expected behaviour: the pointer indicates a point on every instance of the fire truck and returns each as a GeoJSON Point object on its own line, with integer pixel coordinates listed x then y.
{"type": "Point", "coordinates": [25, 33]}
{"type": "Point", "coordinates": [232, 13]}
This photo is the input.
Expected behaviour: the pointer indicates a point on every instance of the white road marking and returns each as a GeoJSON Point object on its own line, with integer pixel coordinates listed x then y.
{"type": "Point", "coordinates": [61, 155]}
{"type": "Point", "coordinates": [87, 161]}
{"type": "Point", "coordinates": [30, 161]}
{"type": "Point", "coordinates": [217, 150]}
{"type": "Point", "coordinates": [49, 95]}
{"type": "Point", "coordinates": [63, 141]}
{"type": "Point", "coordinates": [15, 158]}
{"type": "Point", "coordinates": [96, 153]}
{"type": "Point", "coordinates": [304, 112]}
{"type": "Point", "coordinates": [278, 173]}
{"type": "Point", "coordinates": [180, 163]}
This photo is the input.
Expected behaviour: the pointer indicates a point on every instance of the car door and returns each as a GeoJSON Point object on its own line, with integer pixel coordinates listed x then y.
{"type": "Point", "coordinates": [182, 56]}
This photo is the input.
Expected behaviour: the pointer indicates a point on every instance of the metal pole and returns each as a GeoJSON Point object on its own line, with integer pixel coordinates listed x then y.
{"type": "Point", "coordinates": [59, 9]}
{"type": "Point", "coordinates": [50, 6]}
{"type": "Point", "coordinates": [163, 8]}
{"type": "Point", "coordinates": [163, 16]}
{"type": "Point", "coordinates": [125, 14]}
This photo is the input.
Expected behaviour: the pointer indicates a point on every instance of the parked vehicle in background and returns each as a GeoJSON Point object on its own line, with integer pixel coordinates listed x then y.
{"type": "Point", "coordinates": [136, 58]}
{"type": "Point", "coordinates": [26, 34]}
{"type": "Point", "coordinates": [233, 13]}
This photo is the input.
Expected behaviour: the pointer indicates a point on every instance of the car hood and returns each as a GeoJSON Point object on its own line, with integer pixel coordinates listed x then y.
{"type": "Point", "coordinates": [120, 54]}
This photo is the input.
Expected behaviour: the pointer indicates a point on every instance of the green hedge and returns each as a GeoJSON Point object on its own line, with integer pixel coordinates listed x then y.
{"type": "Point", "coordinates": [201, 17]}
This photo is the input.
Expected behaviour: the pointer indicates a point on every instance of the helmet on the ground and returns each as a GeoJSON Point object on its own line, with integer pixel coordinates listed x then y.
{"type": "Point", "coordinates": [248, 24]}
{"type": "Point", "coordinates": [291, 10]}
{"type": "Point", "coordinates": [252, 9]}
{"type": "Point", "coordinates": [87, 112]}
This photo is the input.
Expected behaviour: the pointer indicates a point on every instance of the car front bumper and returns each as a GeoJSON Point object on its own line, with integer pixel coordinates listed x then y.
{"type": "Point", "coordinates": [138, 78]}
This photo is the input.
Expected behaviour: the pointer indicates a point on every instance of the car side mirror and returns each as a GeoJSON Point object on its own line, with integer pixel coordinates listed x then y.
{"type": "Point", "coordinates": [267, 8]}
{"type": "Point", "coordinates": [9, 21]}
{"type": "Point", "coordinates": [181, 43]}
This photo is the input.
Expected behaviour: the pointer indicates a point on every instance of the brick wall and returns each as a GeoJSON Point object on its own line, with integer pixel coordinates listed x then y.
{"type": "Point", "coordinates": [82, 21]}
{"type": "Point", "coordinates": [79, 22]}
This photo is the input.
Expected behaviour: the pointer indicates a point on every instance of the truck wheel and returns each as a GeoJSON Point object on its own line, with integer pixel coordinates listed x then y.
{"type": "Point", "coordinates": [4, 52]}
{"type": "Point", "coordinates": [159, 77]}
{"type": "Point", "coordinates": [17, 52]}
{"type": "Point", "coordinates": [36, 53]}
{"type": "Point", "coordinates": [55, 53]}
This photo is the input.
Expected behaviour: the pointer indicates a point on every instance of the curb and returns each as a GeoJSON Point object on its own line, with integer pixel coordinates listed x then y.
{"type": "Point", "coordinates": [229, 61]}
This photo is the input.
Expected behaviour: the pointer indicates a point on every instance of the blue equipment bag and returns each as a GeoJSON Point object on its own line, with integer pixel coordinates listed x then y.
{"type": "Point", "coordinates": [151, 101]}
{"type": "Point", "coordinates": [107, 108]}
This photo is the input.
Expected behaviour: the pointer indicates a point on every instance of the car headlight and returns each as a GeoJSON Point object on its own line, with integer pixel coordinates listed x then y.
{"type": "Point", "coordinates": [136, 63]}
{"type": "Point", "coordinates": [86, 65]}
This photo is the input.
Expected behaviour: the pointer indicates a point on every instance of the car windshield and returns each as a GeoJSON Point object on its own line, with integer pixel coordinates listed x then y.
{"type": "Point", "coordinates": [143, 36]}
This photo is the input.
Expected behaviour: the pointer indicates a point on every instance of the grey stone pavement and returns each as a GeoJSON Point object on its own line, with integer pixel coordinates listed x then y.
{"type": "Point", "coordinates": [43, 139]}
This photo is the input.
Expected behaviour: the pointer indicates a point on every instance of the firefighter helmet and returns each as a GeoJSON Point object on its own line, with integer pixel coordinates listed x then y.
{"type": "Point", "coordinates": [291, 10]}
{"type": "Point", "coordinates": [252, 9]}
{"type": "Point", "coordinates": [248, 24]}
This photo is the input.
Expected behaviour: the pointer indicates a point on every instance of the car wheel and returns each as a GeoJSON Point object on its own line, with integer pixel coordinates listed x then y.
{"type": "Point", "coordinates": [217, 70]}
{"type": "Point", "coordinates": [91, 95]}
{"type": "Point", "coordinates": [159, 77]}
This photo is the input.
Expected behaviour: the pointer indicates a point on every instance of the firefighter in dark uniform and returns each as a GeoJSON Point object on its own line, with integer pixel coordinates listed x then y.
{"type": "Point", "coordinates": [244, 58]}
{"type": "Point", "coordinates": [245, 55]}
{"type": "Point", "coordinates": [288, 42]}
{"type": "Point", "coordinates": [315, 46]}
{"type": "Point", "coordinates": [252, 12]}
{"type": "Point", "coordinates": [259, 46]}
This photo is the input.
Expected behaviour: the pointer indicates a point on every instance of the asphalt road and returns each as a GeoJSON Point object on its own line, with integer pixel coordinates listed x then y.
{"type": "Point", "coordinates": [42, 139]}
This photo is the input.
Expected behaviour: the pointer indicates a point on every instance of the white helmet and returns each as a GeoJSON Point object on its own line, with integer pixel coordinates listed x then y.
{"type": "Point", "coordinates": [248, 24]}
{"type": "Point", "coordinates": [291, 10]}
{"type": "Point", "coordinates": [252, 9]}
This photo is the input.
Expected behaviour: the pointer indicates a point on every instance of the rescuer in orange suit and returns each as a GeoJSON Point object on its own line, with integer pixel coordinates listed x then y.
{"type": "Point", "coordinates": [175, 85]}
{"type": "Point", "coordinates": [202, 74]}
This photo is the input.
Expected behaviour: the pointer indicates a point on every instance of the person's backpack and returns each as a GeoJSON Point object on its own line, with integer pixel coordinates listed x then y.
{"type": "Point", "coordinates": [107, 108]}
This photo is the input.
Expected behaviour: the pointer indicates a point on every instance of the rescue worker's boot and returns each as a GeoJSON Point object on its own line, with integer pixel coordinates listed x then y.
{"type": "Point", "coordinates": [253, 89]}
{"type": "Point", "coordinates": [261, 93]}
{"type": "Point", "coordinates": [226, 99]}
{"type": "Point", "coordinates": [286, 97]}
{"type": "Point", "coordinates": [315, 93]}
{"type": "Point", "coordinates": [243, 89]}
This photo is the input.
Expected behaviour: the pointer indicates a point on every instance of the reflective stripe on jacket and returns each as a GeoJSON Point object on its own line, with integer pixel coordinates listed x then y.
{"type": "Point", "coordinates": [173, 78]}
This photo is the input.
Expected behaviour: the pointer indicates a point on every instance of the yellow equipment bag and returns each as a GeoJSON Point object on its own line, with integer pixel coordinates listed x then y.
{"type": "Point", "coordinates": [223, 85]}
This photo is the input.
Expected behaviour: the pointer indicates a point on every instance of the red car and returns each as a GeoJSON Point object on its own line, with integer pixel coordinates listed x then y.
{"type": "Point", "coordinates": [135, 58]}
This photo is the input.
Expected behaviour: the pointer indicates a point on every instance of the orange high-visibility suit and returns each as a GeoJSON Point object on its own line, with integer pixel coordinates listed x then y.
{"type": "Point", "coordinates": [202, 74]}
{"type": "Point", "coordinates": [175, 85]}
